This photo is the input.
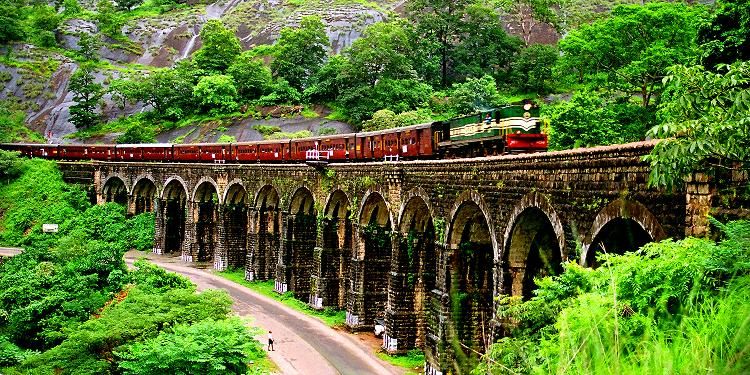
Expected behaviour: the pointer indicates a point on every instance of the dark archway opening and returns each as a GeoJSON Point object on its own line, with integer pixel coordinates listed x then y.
{"type": "Point", "coordinates": [175, 206]}
{"type": "Point", "coordinates": [115, 191]}
{"type": "Point", "coordinates": [532, 252]}
{"type": "Point", "coordinates": [207, 199]}
{"type": "Point", "coordinates": [268, 232]}
{"type": "Point", "coordinates": [235, 225]}
{"type": "Point", "coordinates": [618, 236]}
{"type": "Point", "coordinates": [418, 253]}
{"type": "Point", "coordinates": [144, 193]}
{"type": "Point", "coordinates": [301, 236]}
{"type": "Point", "coordinates": [331, 262]}
{"type": "Point", "coordinates": [471, 284]}
{"type": "Point", "coordinates": [375, 229]}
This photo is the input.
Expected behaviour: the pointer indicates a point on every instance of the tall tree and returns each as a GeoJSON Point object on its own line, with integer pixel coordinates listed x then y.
{"type": "Point", "coordinates": [631, 50]}
{"type": "Point", "coordinates": [706, 120]}
{"type": "Point", "coordinates": [381, 53]}
{"type": "Point", "coordinates": [300, 52]}
{"type": "Point", "coordinates": [439, 24]}
{"type": "Point", "coordinates": [10, 21]}
{"type": "Point", "coordinates": [220, 47]}
{"type": "Point", "coordinates": [86, 94]}
{"type": "Point", "coordinates": [251, 77]}
{"type": "Point", "coordinates": [483, 46]}
{"type": "Point", "coordinates": [726, 37]}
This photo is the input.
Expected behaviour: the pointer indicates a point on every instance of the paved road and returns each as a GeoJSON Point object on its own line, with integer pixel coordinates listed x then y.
{"type": "Point", "coordinates": [304, 345]}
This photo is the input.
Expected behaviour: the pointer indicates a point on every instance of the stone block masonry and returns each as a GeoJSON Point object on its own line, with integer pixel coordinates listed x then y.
{"type": "Point", "coordinates": [424, 245]}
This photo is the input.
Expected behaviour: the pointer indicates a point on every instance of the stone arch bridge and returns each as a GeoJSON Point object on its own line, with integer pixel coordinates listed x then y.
{"type": "Point", "coordinates": [411, 243]}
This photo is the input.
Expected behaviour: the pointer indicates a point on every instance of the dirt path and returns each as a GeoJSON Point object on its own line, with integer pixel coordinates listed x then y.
{"type": "Point", "coordinates": [303, 344]}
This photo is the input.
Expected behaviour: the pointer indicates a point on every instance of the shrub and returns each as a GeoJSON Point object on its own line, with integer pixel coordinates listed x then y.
{"type": "Point", "coordinates": [217, 94]}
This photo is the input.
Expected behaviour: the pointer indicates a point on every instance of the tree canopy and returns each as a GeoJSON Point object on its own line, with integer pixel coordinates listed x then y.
{"type": "Point", "coordinates": [220, 47]}
{"type": "Point", "coordinates": [300, 52]}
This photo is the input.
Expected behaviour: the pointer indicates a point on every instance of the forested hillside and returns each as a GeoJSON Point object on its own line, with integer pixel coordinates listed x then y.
{"type": "Point", "coordinates": [130, 71]}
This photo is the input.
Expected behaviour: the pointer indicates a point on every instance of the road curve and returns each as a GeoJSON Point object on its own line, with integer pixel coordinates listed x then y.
{"type": "Point", "coordinates": [304, 345]}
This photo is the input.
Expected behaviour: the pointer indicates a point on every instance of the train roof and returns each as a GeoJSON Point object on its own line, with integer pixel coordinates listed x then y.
{"type": "Point", "coordinates": [401, 129]}
{"type": "Point", "coordinates": [141, 145]}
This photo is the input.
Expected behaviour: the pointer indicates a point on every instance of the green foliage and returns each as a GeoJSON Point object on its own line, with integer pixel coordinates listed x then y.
{"type": "Point", "coordinates": [387, 119]}
{"type": "Point", "coordinates": [220, 47]}
{"type": "Point", "coordinates": [531, 70]}
{"type": "Point", "coordinates": [86, 94]}
{"type": "Point", "coordinates": [326, 84]}
{"type": "Point", "coordinates": [381, 53]}
{"type": "Point", "coordinates": [266, 130]}
{"type": "Point", "coordinates": [142, 314]}
{"type": "Point", "coordinates": [638, 313]}
{"type": "Point", "coordinates": [217, 94]}
{"type": "Point", "coordinates": [252, 78]}
{"type": "Point", "coordinates": [10, 25]}
{"type": "Point", "coordinates": [281, 93]}
{"type": "Point", "coordinates": [705, 119]}
{"type": "Point", "coordinates": [13, 127]}
{"type": "Point", "coordinates": [137, 134]}
{"type": "Point", "coordinates": [631, 51]}
{"type": "Point", "coordinates": [300, 52]}
{"type": "Point", "coordinates": [725, 38]}
{"type": "Point", "coordinates": [287, 135]}
{"type": "Point", "coordinates": [106, 18]}
{"type": "Point", "coordinates": [140, 234]}
{"type": "Point", "coordinates": [168, 91]}
{"type": "Point", "coordinates": [474, 95]}
{"type": "Point", "coordinates": [396, 95]}
{"type": "Point", "coordinates": [44, 20]}
{"type": "Point", "coordinates": [207, 347]}
{"type": "Point", "coordinates": [225, 138]}
{"type": "Point", "coordinates": [125, 5]}
{"type": "Point", "coordinates": [88, 45]}
{"type": "Point", "coordinates": [589, 119]}
{"type": "Point", "coordinates": [10, 166]}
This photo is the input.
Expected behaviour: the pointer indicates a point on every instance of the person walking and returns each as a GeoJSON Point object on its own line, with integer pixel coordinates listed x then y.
{"type": "Point", "coordinates": [270, 341]}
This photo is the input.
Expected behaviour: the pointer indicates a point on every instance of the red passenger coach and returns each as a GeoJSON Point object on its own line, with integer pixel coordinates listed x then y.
{"type": "Point", "coordinates": [274, 151]}
{"type": "Point", "coordinates": [245, 152]}
{"type": "Point", "coordinates": [188, 153]}
{"type": "Point", "coordinates": [216, 152]}
{"type": "Point", "coordinates": [73, 152]}
{"type": "Point", "coordinates": [102, 152]}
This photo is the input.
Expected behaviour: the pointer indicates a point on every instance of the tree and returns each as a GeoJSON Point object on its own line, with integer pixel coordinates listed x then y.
{"type": "Point", "coordinates": [300, 52]}
{"type": "Point", "coordinates": [45, 22]}
{"type": "Point", "coordinates": [474, 95]}
{"type": "Point", "coordinates": [631, 50]}
{"type": "Point", "coordinates": [88, 46]}
{"type": "Point", "coordinates": [706, 120]}
{"type": "Point", "coordinates": [86, 94]}
{"type": "Point", "coordinates": [125, 5]}
{"type": "Point", "coordinates": [327, 83]}
{"type": "Point", "coordinates": [484, 46]}
{"type": "Point", "coordinates": [106, 17]}
{"type": "Point", "coordinates": [220, 47]}
{"type": "Point", "coordinates": [381, 53]}
{"type": "Point", "coordinates": [438, 27]}
{"type": "Point", "coordinates": [10, 21]}
{"type": "Point", "coordinates": [10, 166]}
{"type": "Point", "coordinates": [531, 70]}
{"type": "Point", "coordinates": [216, 93]}
{"type": "Point", "coordinates": [726, 37]}
{"type": "Point", "coordinates": [397, 95]}
{"type": "Point", "coordinates": [252, 78]}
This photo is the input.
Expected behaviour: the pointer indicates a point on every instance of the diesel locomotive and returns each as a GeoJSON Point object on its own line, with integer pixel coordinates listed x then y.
{"type": "Point", "coordinates": [511, 129]}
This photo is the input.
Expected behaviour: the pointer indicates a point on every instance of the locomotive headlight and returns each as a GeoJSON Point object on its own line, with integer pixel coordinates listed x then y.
{"type": "Point", "coordinates": [527, 106]}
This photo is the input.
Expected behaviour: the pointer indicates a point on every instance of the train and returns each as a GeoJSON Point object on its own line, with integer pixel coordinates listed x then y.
{"type": "Point", "coordinates": [510, 129]}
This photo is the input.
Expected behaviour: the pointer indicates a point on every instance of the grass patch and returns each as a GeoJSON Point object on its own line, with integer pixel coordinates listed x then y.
{"type": "Point", "coordinates": [330, 317]}
{"type": "Point", "coordinates": [13, 128]}
{"type": "Point", "coordinates": [413, 360]}
{"type": "Point", "coordinates": [295, 135]}
{"type": "Point", "coordinates": [308, 112]}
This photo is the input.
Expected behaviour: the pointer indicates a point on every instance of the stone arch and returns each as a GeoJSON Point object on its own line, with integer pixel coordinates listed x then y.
{"type": "Point", "coordinates": [303, 201]}
{"type": "Point", "coordinates": [415, 272]}
{"type": "Point", "coordinates": [174, 214]}
{"type": "Point", "coordinates": [328, 282]}
{"type": "Point", "coordinates": [471, 275]}
{"type": "Point", "coordinates": [144, 193]}
{"type": "Point", "coordinates": [206, 202]}
{"type": "Point", "coordinates": [116, 176]}
{"type": "Point", "coordinates": [414, 196]}
{"type": "Point", "coordinates": [620, 218]}
{"type": "Point", "coordinates": [115, 190]}
{"type": "Point", "coordinates": [269, 195]}
{"type": "Point", "coordinates": [170, 182]}
{"type": "Point", "coordinates": [375, 209]}
{"type": "Point", "coordinates": [334, 206]}
{"type": "Point", "coordinates": [470, 197]}
{"type": "Point", "coordinates": [533, 245]}
{"type": "Point", "coordinates": [235, 193]}
{"type": "Point", "coordinates": [202, 188]}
